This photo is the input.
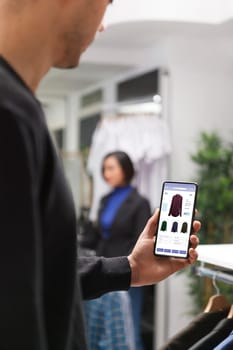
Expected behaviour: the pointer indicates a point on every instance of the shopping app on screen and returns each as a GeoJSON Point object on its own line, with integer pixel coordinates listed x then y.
{"type": "Point", "coordinates": [175, 222]}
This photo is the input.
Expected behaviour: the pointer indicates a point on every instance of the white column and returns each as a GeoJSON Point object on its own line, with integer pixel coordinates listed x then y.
{"type": "Point", "coordinates": [161, 314]}
{"type": "Point", "coordinates": [110, 99]}
{"type": "Point", "coordinates": [71, 131]}
{"type": "Point", "coordinates": [71, 158]}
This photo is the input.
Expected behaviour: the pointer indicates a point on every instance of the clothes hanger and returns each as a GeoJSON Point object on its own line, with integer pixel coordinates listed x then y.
{"type": "Point", "coordinates": [217, 302]}
{"type": "Point", "coordinates": [230, 314]}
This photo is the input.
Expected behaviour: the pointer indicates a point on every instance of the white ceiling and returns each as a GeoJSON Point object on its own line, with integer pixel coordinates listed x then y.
{"type": "Point", "coordinates": [126, 45]}
{"type": "Point", "coordinates": [195, 11]}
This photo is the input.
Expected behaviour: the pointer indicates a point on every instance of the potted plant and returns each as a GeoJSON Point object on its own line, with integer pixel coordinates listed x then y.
{"type": "Point", "coordinates": [214, 160]}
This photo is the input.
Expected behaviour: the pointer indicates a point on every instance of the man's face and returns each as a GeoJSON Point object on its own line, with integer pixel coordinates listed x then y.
{"type": "Point", "coordinates": [81, 19]}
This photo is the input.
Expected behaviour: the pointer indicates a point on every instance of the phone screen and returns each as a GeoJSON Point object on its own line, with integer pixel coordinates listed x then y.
{"type": "Point", "coordinates": [177, 209]}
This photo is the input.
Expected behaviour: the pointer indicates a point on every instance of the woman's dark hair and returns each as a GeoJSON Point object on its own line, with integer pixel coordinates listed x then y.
{"type": "Point", "coordinates": [125, 163]}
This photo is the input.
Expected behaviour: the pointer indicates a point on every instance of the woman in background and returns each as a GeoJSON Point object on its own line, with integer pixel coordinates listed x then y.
{"type": "Point", "coordinates": [121, 218]}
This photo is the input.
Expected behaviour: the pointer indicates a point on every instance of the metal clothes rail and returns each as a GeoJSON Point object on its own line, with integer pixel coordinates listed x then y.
{"type": "Point", "coordinates": [225, 276]}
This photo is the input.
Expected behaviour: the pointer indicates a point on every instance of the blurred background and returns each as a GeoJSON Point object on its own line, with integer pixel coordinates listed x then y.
{"type": "Point", "coordinates": [171, 63]}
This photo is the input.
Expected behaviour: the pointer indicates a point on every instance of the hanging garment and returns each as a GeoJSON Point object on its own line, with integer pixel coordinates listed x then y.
{"type": "Point", "coordinates": [196, 329]}
{"type": "Point", "coordinates": [109, 322]}
{"type": "Point", "coordinates": [216, 336]}
{"type": "Point", "coordinates": [174, 226]}
{"type": "Point", "coordinates": [176, 205]}
{"type": "Point", "coordinates": [226, 344]}
{"type": "Point", "coordinates": [184, 227]}
{"type": "Point", "coordinates": [148, 145]}
{"type": "Point", "coordinates": [149, 179]}
{"type": "Point", "coordinates": [163, 226]}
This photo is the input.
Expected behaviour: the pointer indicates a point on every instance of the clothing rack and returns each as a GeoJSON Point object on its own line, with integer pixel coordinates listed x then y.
{"type": "Point", "coordinates": [219, 257]}
{"type": "Point", "coordinates": [141, 108]}
{"type": "Point", "coordinates": [214, 274]}
{"type": "Point", "coordinates": [133, 108]}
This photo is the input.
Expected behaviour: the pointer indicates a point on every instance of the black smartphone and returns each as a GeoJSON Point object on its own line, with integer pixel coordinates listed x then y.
{"type": "Point", "coordinates": [177, 210]}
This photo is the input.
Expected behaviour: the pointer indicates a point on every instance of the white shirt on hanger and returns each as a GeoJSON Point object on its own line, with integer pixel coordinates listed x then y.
{"type": "Point", "coordinates": [146, 139]}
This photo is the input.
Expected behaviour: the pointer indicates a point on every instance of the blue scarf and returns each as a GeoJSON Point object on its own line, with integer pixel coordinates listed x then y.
{"type": "Point", "coordinates": [115, 200]}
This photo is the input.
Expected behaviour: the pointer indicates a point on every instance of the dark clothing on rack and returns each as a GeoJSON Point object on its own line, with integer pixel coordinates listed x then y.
{"type": "Point", "coordinates": [226, 344]}
{"type": "Point", "coordinates": [128, 223]}
{"type": "Point", "coordinates": [174, 226]}
{"type": "Point", "coordinates": [40, 292]}
{"type": "Point", "coordinates": [218, 334]}
{"type": "Point", "coordinates": [176, 206]}
{"type": "Point", "coordinates": [195, 330]}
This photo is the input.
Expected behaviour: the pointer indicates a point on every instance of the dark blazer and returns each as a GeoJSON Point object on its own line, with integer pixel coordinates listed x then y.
{"type": "Point", "coordinates": [129, 222]}
{"type": "Point", "coordinates": [216, 336]}
{"type": "Point", "coordinates": [201, 325]}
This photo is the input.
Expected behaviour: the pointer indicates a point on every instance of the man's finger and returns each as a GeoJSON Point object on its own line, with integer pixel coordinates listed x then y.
{"type": "Point", "coordinates": [150, 228]}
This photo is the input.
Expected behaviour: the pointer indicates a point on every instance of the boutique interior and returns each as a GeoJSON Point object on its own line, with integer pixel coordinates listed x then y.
{"type": "Point", "coordinates": [158, 77]}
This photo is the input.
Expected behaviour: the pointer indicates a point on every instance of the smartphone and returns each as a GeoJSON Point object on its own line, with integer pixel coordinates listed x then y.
{"type": "Point", "coordinates": [177, 210]}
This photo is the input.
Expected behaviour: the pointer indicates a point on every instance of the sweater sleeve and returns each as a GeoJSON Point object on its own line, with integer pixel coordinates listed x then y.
{"type": "Point", "coordinates": [100, 275]}
{"type": "Point", "coordinates": [21, 316]}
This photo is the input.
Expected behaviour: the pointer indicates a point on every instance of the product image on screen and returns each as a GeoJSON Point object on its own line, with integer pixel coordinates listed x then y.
{"type": "Point", "coordinates": [175, 221]}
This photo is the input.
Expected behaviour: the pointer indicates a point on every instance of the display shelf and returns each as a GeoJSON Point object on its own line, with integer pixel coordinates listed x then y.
{"type": "Point", "coordinates": [216, 254]}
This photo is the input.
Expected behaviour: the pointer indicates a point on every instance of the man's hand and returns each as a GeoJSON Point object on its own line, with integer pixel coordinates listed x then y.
{"type": "Point", "coordinates": [146, 268]}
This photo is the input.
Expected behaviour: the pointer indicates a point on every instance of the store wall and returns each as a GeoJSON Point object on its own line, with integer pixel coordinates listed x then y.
{"type": "Point", "coordinates": [201, 100]}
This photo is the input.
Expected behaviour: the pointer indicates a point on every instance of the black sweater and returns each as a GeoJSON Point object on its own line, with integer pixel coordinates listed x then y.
{"type": "Point", "coordinates": [40, 306]}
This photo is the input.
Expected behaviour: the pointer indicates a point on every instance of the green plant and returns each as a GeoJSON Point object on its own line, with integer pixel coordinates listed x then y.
{"type": "Point", "coordinates": [214, 160]}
